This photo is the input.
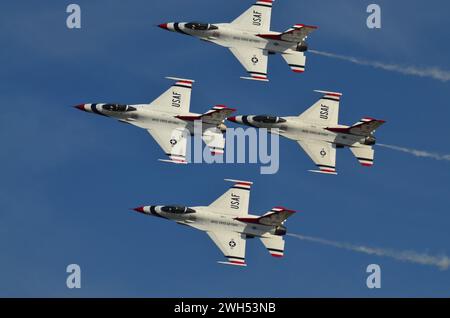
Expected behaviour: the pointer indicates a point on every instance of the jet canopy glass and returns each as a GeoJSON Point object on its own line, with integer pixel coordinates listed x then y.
{"type": "Point", "coordinates": [118, 108]}
{"type": "Point", "coordinates": [199, 26]}
{"type": "Point", "coordinates": [177, 209]}
{"type": "Point", "coordinates": [267, 119]}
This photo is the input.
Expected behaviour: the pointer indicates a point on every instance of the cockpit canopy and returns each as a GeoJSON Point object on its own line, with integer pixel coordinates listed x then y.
{"type": "Point", "coordinates": [118, 108]}
{"type": "Point", "coordinates": [267, 119]}
{"type": "Point", "coordinates": [199, 26]}
{"type": "Point", "coordinates": [177, 209]}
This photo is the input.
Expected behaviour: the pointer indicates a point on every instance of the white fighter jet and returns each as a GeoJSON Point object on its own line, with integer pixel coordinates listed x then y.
{"type": "Point", "coordinates": [250, 40]}
{"type": "Point", "coordinates": [317, 131]}
{"type": "Point", "coordinates": [228, 223]}
{"type": "Point", "coordinates": [168, 120]}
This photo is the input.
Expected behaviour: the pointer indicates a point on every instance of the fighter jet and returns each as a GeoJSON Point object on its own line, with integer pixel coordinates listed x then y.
{"type": "Point", "coordinates": [250, 40]}
{"type": "Point", "coordinates": [168, 120]}
{"type": "Point", "coordinates": [317, 131]}
{"type": "Point", "coordinates": [228, 223]}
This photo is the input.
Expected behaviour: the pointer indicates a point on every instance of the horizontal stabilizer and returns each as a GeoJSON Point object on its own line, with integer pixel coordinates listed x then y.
{"type": "Point", "coordinates": [298, 33]}
{"type": "Point", "coordinates": [276, 216]}
{"type": "Point", "coordinates": [296, 61]}
{"type": "Point", "coordinates": [365, 155]}
{"type": "Point", "coordinates": [365, 127]}
{"type": "Point", "coordinates": [215, 116]}
{"type": "Point", "coordinates": [274, 244]}
{"type": "Point", "coordinates": [215, 140]}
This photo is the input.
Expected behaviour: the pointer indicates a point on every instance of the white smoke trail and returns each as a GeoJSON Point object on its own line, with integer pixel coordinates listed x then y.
{"type": "Point", "coordinates": [418, 153]}
{"type": "Point", "coordinates": [431, 72]}
{"type": "Point", "coordinates": [442, 262]}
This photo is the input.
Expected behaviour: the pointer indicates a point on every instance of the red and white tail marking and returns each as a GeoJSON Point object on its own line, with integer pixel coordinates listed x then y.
{"type": "Point", "coordinates": [182, 82]}
{"type": "Point", "coordinates": [330, 95]}
{"type": "Point", "coordinates": [301, 25]}
{"type": "Point", "coordinates": [241, 184]}
{"type": "Point", "coordinates": [265, 2]}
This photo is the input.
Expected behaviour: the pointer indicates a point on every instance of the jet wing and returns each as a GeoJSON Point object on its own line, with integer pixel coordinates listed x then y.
{"type": "Point", "coordinates": [172, 141]}
{"type": "Point", "coordinates": [322, 153]}
{"type": "Point", "coordinates": [232, 245]}
{"type": "Point", "coordinates": [254, 61]}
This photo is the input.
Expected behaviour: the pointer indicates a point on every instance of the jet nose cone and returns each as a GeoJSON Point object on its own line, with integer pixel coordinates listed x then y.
{"type": "Point", "coordinates": [232, 119]}
{"type": "Point", "coordinates": [163, 26]}
{"type": "Point", "coordinates": [80, 107]}
{"type": "Point", "coordinates": [139, 209]}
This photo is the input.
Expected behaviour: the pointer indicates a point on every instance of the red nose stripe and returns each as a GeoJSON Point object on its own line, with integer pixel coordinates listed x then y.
{"type": "Point", "coordinates": [163, 26]}
{"type": "Point", "coordinates": [80, 107]}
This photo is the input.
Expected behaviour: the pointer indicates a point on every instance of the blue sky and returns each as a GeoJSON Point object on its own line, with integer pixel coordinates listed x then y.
{"type": "Point", "coordinates": [69, 178]}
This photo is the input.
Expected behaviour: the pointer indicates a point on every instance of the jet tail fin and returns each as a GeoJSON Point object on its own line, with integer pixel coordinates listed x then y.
{"type": "Point", "coordinates": [235, 201]}
{"type": "Point", "coordinates": [325, 111]}
{"type": "Point", "coordinates": [176, 99]}
{"type": "Point", "coordinates": [256, 18]}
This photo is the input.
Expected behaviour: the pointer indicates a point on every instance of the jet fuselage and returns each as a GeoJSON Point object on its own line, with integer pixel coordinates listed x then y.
{"type": "Point", "coordinates": [293, 128]}
{"type": "Point", "coordinates": [204, 219]}
{"type": "Point", "coordinates": [143, 116]}
{"type": "Point", "coordinates": [226, 35]}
